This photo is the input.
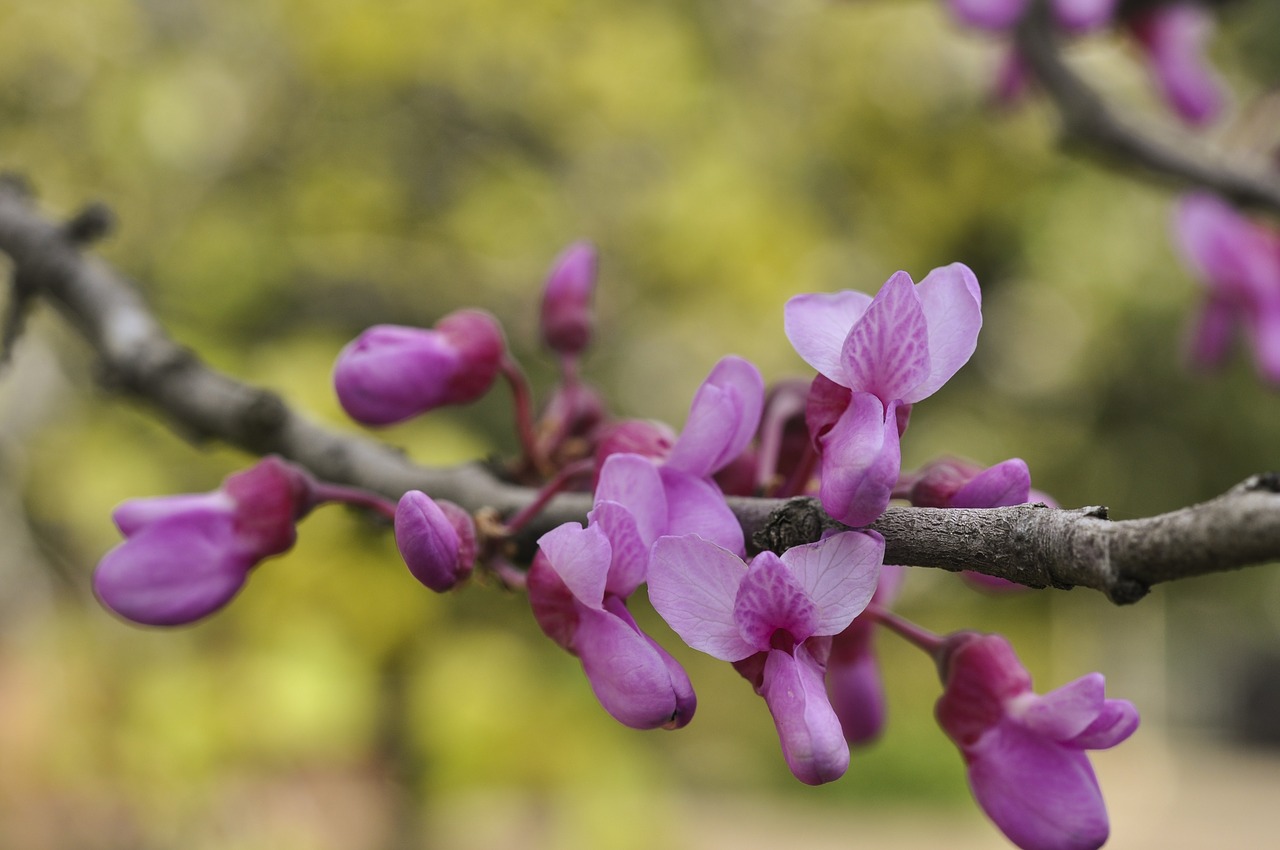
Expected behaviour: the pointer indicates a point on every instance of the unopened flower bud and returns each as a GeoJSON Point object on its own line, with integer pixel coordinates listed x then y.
{"type": "Point", "coordinates": [391, 373]}
{"type": "Point", "coordinates": [436, 539]}
{"type": "Point", "coordinates": [566, 302]}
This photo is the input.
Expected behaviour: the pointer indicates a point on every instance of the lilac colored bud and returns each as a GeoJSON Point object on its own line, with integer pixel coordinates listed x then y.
{"type": "Point", "coordinates": [635, 436]}
{"type": "Point", "coordinates": [436, 539]}
{"type": "Point", "coordinates": [391, 373]}
{"type": "Point", "coordinates": [566, 302]}
{"type": "Point", "coordinates": [186, 556]}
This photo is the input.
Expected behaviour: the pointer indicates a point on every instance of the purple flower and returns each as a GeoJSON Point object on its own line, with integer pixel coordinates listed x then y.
{"type": "Point", "coordinates": [853, 672]}
{"type": "Point", "coordinates": [578, 599]}
{"type": "Point", "coordinates": [876, 357]}
{"type": "Point", "coordinates": [1239, 263]}
{"type": "Point", "coordinates": [773, 619]}
{"type": "Point", "coordinates": [391, 373]}
{"type": "Point", "coordinates": [1174, 37]}
{"type": "Point", "coordinates": [1025, 752]}
{"type": "Point", "coordinates": [437, 540]}
{"type": "Point", "coordinates": [566, 302]}
{"type": "Point", "coordinates": [184, 557]}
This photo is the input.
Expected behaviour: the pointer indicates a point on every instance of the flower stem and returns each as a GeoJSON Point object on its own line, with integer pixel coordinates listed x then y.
{"type": "Point", "coordinates": [548, 492]}
{"type": "Point", "coordinates": [905, 629]}
{"type": "Point", "coordinates": [354, 496]}
{"type": "Point", "coordinates": [523, 398]}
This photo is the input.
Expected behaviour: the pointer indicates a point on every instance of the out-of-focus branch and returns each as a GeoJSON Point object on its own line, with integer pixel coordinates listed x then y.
{"type": "Point", "coordinates": [1029, 544]}
{"type": "Point", "coordinates": [1092, 125]}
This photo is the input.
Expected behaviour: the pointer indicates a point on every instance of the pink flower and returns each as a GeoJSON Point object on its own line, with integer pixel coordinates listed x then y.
{"type": "Point", "coordinates": [876, 357]}
{"type": "Point", "coordinates": [773, 619]}
{"type": "Point", "coordinates": [1239, 263]}
{"type": "Point", "coordinates": [184, 557]}
{"type": "Point", "coordinates": [1025, 752]}
{"type": "Point", "coordinates": [391, 373]}
{"type": "Point", "coordinates": [1173, 38]}
{"type": "Point", "coordinates": [566, 316]}
{"type": "Point", "coordinates": [579, 600]}
{"type": "Point", "coordinates": [853, 672]}
{"type": "Point", "coordinates": [437, 540]}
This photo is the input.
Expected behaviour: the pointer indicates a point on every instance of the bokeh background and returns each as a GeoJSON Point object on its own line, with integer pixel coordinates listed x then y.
{"type": "Point", "coordinates": [286, 173]}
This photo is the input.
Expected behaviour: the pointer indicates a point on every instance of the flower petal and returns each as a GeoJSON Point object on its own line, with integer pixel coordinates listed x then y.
{"type": "Point", "coordinates": [839, 574]}
{"type": "Point", "coordinates": [722, 420]}
{"type": "Point", "coordinates": [631, 510]}
{"type": "Point", "coordinates": [854, 684]}
{"type": "Point", "coordinates": [887, 349]}
{"type": "Point", "coordinates": [1116, 722]}
{"type": "Point", "coordinates": [390, 373]}
{"type": "Point", "coordinates": [131, 516]}
{"type": "Point", "coordinates": [693, 585]}
{"type": "Point", "coordinates": [1043, 796]}
{"type": "Point", "coordinates": [808, 729]}
{"type": "Point", "coordinates": [581, 557]}
{"type": "Point", "coordinates": [1232, 255]}
{"type": "Point", "coordinates": [696, 506]}
{"type": "Point", "coordinates": [860, 462]}
{"type": "Point", "coordinates": [1006, 483]}
{"type": "Point", "coordinates": [770, 599]}
{"type": "Point", "coordinates": [818, 322]}
{"type": "Point", "coordinates": [1065, 712]}
{"type": "Point", "coordinates": [952, 304]}
{"type": "Point", "coordinates": [428, 542]}
{"type": "Point", "coordinates": [1175, 37]}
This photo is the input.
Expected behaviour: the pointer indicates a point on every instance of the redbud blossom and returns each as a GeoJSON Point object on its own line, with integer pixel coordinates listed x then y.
{"type": "Point", "coordinates": [186, 556]}
{"type": "Point", "coordinates": [566, 302]}
{"type": "Point", "coordinates": [437, 540]}
{"type": "Point", "coordinates": [1174, 39]}
{"type": "Point", "coordinates": [391, 373]}
{"type": "Point", "coordinates": [1025, 752]}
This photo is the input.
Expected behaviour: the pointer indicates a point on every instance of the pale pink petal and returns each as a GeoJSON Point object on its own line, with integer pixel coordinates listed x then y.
{"type": "Point", "coordinates": [581, 557]}
{"type": "Point", "coordinates": [1064, 713]}
{"type": "Point", "coordinates": [693, 585]}
{"type": "Point", "coordinates": [629, 678]}
{"type": "Point", "coordinates": [817, 324]}
{"type": "Point", "coordinates": [887, 350]}
{"type": "Point", "coordinates": [722, 420]}
{"type": "Point", "coordinates": [1041, 795]}
{"type": "Point", "coordinates": [1006, 483]}
{"type": "Point", "coordinates": [770, 600]}
{"type": "Point", "coordinates": [808, 729]}
{"type": "Point", "coordinates": [1116, 722]}
{"type": "Point", "coordinates": [633, 482]}
{"type": "Point", "coordinates": [1079, 16]}
{"type": "Point", "coordinates": [1175, 37]}
{"type": "Point", "coordinates": [952, 305]}
{"type": "Point", "coordinates": [840, 574]}
{"type": "Point", "coordinates": [987, 14]}
{"type": "Point", "coordinates": [630, 554]}
{"type": "Point", "coordinates": [860, 462]}
{"type": "Point", "coordinates": [696, 506]}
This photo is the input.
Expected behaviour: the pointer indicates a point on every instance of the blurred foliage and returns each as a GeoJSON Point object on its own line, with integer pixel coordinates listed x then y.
{"type": "Point", "coordinates": [287, 173]}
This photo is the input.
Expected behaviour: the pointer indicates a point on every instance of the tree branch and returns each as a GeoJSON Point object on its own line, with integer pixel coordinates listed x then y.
{"type": "Point", "coordinates": [1165, 153]}
{"type": "Point", "coordinates": [1029, 544]}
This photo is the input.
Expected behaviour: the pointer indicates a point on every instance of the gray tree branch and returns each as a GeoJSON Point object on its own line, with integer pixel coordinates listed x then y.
{"type": "Point", "coordinates": [1029, 544]}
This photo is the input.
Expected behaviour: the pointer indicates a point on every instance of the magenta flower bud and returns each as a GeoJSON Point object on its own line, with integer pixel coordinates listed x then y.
{"type": "Point", "coordinates": [436, 539]}
{"type": "Point", "coordinates": [635, 436]}
{"type": "Point", "coordinates": [566, 302]}
{"type": "Point", "coordinates": [186, 556]}
{"type": "Point", "coordinates": [1025, 752]}
{"type": "Point", "coordinates": [391, 373]}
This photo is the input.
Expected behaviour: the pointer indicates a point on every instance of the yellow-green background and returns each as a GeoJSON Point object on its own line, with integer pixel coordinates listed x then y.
{"type": "Point", "coordinates": [286, 173]}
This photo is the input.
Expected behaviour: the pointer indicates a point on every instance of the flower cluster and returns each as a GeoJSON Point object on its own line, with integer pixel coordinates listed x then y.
{"type": "Point", "coordinates": [799, 625]}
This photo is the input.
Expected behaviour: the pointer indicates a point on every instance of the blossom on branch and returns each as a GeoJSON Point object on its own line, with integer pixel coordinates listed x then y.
{"type": "Point", "coordinates": [1173, 37]}
{"type": "Point", "coordinates": [436, 539]}
{"type": "Point", "coordinates": [773, 618]}
{"type": "Point", "coordinates": [875, 358]}
{"type": "Point", "coordinates": [1025, 752]}
{"type": "Point", "coordinates": [186, 556]}
{"type": "Point", "coordinates": [566, 316]}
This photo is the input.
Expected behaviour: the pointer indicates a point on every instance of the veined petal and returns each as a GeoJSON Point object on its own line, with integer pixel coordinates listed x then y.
{"type": "Point", "coordinates": [696, 506]}
{"type": "Point", "coordinates": [770, 599]}
{"type": "Point", "coordinates": [581, 557]}
{"type": "Point", "coordinates": [860, 462]}
{"type": "Point", "coordinates": [1043, 796]}
{"type": "Point", "coordinates": [722, 419]}
{"type": "Point", "coordinates": [808, 729]}
{"type": "Point", "coordinates": [952, 305]}
{"type": "Point", "coordinates": [817, 324]}
{"type": "Point", "coordinates": [839, 574]}
{"type": "Point", "coordinates": [987, 14]}
{"type": "Point", "coordinates": [887, 350]}
{"type": "Point", "coordinates": [693, 585]}
{"type": "Point", "coordinates": [629, 678]}
{"type": "Point", "coordinates": [1006, 483]}
{"type": "Point", "coordinates": [1065, 712]}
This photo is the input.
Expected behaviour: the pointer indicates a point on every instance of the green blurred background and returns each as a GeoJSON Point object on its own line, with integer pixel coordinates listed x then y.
{"type": "Point", "coordinates": [287, 173]}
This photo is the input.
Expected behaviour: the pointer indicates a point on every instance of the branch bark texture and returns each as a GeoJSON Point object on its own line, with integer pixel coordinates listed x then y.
{"type": "Point", "coordinates": [1029, 544]}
